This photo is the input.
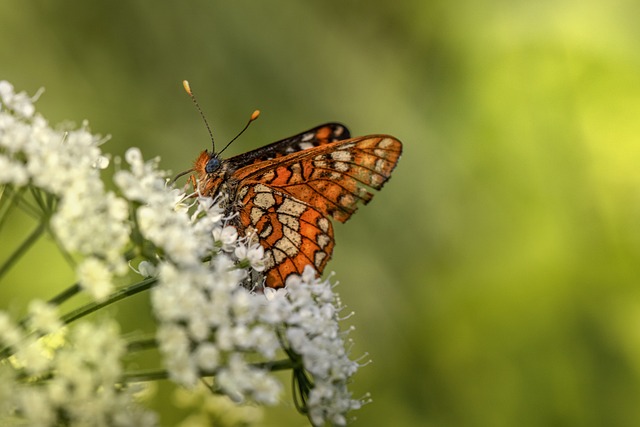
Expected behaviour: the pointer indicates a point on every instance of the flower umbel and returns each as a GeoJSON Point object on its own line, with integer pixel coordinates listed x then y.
{"type": "Point", "coordinates": [215, 322]}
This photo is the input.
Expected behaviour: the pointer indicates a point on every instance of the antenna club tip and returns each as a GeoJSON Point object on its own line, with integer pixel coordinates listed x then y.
{"type": "Point", "coordinates": [255, 115]}
{"type": "Point", "coordinates": [187, 88]}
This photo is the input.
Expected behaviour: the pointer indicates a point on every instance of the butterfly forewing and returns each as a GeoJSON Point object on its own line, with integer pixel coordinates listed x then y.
{"type": "Point", "coordinates": [288, 200]}
{"type": "Point", "coordinates": [320, 135]}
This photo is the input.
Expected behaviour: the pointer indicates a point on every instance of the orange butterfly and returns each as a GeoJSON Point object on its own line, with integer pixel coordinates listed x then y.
{"type": "Point", "coordinates": [287, 191]}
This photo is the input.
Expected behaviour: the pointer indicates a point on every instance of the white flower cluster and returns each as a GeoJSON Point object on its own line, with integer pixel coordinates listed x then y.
{"type": "Point", "coordinates": [311, 314]}
{"type": "Point", "coordinates": [66, 165]}
{"type": "Point", "coordinates": [214, 317]}
{"type": "Point", "coordinates": [69, 376]}
{"type": "Point", "coordinates": [209, 324]}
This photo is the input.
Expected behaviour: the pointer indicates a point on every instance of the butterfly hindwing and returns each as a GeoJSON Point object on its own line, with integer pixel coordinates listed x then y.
{"type": "Point", "coordinates": [292, 233]}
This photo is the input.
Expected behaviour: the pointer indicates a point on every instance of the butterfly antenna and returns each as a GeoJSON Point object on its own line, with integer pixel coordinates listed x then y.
{"type": "Point", "coordinates": [187, 88]}
{"type": "Point", "coordinates": [175, 178]}
{"type": "Point", "coordinates": [254, 116]}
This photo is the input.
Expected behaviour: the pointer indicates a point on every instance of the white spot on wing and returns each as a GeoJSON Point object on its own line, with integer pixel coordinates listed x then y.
{"type": "Point", "coordinates": [268, 176]}
{"type": "Point", "coordinates": [385, 143]}
{"type": "Point", "coordinates": [264, 200]}
{"type": "Point", "coordinates": [266, 232]}
{"type": "Point", "coordinates": [323, 223]}
{"type": "Point", "coordinates": [289, 221]}
{"type": "Point", "coordinates": [347, 200]}
{"type": "Point", "coordinates": [322, 240]}
{"type": "Point", "coordinates": [296, 168]}
{"type": "Point", "coordinates": [293, 236]}
{"type": "Point", "coordinates": [256, 214]}
{"type": "Point", "coordinates": [376, 180]}
{"type": "Point", "coordinates": [269, 262]}
{"type": "Point", "coordinates": [319, 163]}
{"type": "Point", "coordinates": [341, 155]}
{"type": "Point", "coordinates": [318, 258]}
{"type": "Point", "coordinates": [278, 256]}
{"type": "Point", "coordinates": [287, 247]}
{"type": "Point", "coordinates": [261, 188]}
{"type": "Point", "coordinates": [292, 207]}
{"type": "Point", "coordinates": [341, 166]}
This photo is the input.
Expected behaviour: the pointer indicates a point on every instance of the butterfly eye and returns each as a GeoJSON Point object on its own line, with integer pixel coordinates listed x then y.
{"type": "Point", "coordinates": [212, 165]}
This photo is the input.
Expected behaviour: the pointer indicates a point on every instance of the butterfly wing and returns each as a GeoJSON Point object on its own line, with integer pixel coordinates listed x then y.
{"type": "Point", "coordinates": [320, 135]}
{"type": "Point", "coordinates": [288, 201]}
{"type": "Point", "coordinates": [292, 233]}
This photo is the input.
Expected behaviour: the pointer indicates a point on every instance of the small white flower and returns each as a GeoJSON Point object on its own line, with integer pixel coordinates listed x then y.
{"type": "Point", "coordinates": [96, 278]}
{"type": "Point", "coordinates": [174, 344]}
{"type": "Point", "coordinates": [207, 357]}
{"type": "Point", "coordinates": [133, 156]}
{"type": "Point", "coordinates": [102, 162]}
{"type": "Point", "coordinates": [12, 172]}
{"type": "Point", "coordinates": [253, 253]}
{"type": "Point", "coordinates": [33, 356]}
{"type": "Point", "coordinates": [21, 103]}
{"type": "Point", "coordinates": [36, 407]}
{"type": "Point", "coordinates": [240, 382]}
{"type": "Point", "coordinates": [226, 237]}
{"type": "Point", "coordinates": [211, 208]}
{"type": "Point", "coordinates": [43, 317]}
{"type": "Point", "coordinates": [10, 334]}
{"type": "Point", "coordinates": [147, 269]}
{"type": "Point", "coordinates": [6, 91]}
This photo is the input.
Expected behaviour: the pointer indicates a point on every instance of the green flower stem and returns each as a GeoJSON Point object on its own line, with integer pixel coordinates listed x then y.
{"type": "Point", "coordinates": [43, 203]}
{"type": "Point", "coordinates": [278, 365]}
{"type": "Point", "coordinates": [66, 294]}
{"type": "Point", "coordinates": [117, 296]}
{"type": "Point", "coordinates": [7, 203]}
{"type": "Point", "coordinates": [141, 344]}
{"type": "Point", "coordinates": [58, 299]}
{"type": "Point", "coordinates": [160, 374]}
{"type": "Point", "coordinates": [145, 375]}
{"type": "Point", "coordinates": [16, 199]}
{"type": "Point", "coordinates": [90, 308]}
{"type": "Point", "coordinates": [24, 246]}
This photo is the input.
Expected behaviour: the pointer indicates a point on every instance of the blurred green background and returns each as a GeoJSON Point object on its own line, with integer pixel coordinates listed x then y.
{"type": "Point", "coordinates": [495, 279]}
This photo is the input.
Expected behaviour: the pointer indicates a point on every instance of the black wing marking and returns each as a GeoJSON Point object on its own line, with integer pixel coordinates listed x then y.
{"type": "Point", "coordinates": [320, 135]}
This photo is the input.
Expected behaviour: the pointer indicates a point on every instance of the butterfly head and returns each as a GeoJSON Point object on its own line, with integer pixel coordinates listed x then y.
{"type": "Point", "coordinates": [208, 163]}
{"type": "Point", "coordinates": [213, 164]}
{"type": "Point", "coordinates": [210, 173]}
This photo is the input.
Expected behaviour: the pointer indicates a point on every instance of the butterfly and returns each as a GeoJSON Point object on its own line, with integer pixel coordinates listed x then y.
{"type": "Point", "coordinates": [288, 192]}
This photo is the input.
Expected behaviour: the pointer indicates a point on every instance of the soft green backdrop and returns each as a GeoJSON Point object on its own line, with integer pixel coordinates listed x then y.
{"type": "Point", "coordinates": [495, 279]}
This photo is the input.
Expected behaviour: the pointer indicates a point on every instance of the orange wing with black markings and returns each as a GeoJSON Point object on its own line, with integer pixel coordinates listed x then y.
{"type": "Point", "coordinates": [288, 191]}
{"type": "Point", "coordinates": [288, 200]}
